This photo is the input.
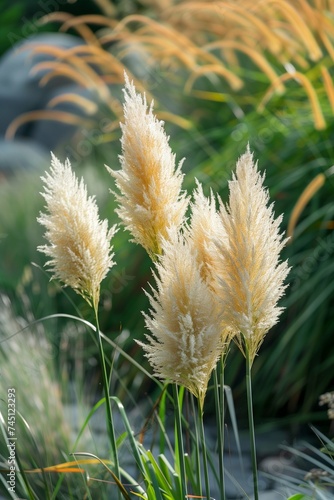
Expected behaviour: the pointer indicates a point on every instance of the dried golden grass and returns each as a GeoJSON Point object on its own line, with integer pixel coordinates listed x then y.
{"type": "Point", "coordinates": [303, 200]}
{"type": "Point", "coordinates": [319, 121]}
{"type": "Point", "coordinates": [328, 82]}
{"type": "Point", "coordinates": [85, 104]}
{"type": "Point", "coordinates": [82, 29]}
{"type": "Point", "coordinates": [61, 116]}
{"type": "Point", "coordinates": [200, 39]}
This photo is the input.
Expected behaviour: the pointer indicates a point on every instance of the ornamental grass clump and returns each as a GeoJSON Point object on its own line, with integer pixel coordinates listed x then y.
{"type": "Point", "coordinates": [79, 242]}
{"type": "Point", "coordinates": [218, 277]}
{"type": "Point", "coordinates": [150, 199]}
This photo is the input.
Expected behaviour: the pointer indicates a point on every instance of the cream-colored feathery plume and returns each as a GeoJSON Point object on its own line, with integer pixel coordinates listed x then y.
{"type": "Point", "coordinates": [205, 229]}
{"type": "Point", "coordinates": [79, 243]}
{"type": "Point", "coordinates": [150, 199]}
{"type": "Point", "coordinates": [251, 275]}
{"type": "Point", "coordinates": [185, 338]}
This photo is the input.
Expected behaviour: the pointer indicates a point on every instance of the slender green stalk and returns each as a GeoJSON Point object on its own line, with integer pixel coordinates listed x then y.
{"type": "Point", "coordinates": [251, 422]}
{"type": "Point", "coordinates": [110, 425]}
{"type": "Point", "coordinates": [220, 415]}
{"type": "Point", "coordinates": [178, 428]}
{"type": "Point", "coordinates": [204, 452]}
{"type": "Point", "coordinates": [198, 448]}
{"type": "Point", "coordinates": [162, 416]}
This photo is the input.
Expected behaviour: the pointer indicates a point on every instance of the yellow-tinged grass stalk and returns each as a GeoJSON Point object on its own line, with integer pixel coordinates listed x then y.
{"type": "Point", "coordinates": [185, 336]}
{"type": "Point", "coordinates": [79, 242]}
{"type": "Point", "coordinates": [150, 199]}
{"type": "Point", "coordinates": [249, 271]}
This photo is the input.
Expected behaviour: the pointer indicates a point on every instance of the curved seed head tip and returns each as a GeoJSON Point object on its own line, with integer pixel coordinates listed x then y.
{"type": "Point", "coordinates": [184, 340]}
{"type": "Point", "coordinates": [150, 200]}
{"type": "Point", "coordinates": [250, 273]}
{"type": "Point", "coordinates": [205, 228]}
{"type": "Point", "coordinates": [78, 241]}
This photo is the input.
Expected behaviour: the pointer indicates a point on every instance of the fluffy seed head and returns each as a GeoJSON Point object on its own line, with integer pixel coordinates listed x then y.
{"type": "Point", "coordinates": [79, 243]}
{"type": "Point", "coordinates": [205, 230]}
{"type": "Point", "coordinates": [251, 275]}
{"type": "Point", "coordinates": [184, 343]}
{"type": "Point", "coordinates": [150, 199]}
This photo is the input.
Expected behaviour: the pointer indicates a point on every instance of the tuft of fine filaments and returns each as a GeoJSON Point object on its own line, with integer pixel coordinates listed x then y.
{"type": "Point", "coordinates": [79, 243]}
{"type": "Point", "coordinates": [249, 271]}
{"type": "Point", "coordinates": [149, 183]}
{"type": "Point", "coordinates": [184, 343]}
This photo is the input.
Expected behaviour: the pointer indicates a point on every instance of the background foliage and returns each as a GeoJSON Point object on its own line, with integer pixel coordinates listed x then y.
{"type": "Point", "coordinates": [212, 69]}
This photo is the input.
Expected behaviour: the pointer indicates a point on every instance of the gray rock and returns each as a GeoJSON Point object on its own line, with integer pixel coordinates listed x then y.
{"type": "Point", "coordinates": [20, 91]}
{"type": "Point", "coordinates": [21, 155]}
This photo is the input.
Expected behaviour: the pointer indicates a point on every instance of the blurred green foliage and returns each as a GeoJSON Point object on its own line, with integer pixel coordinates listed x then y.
{"type": "Point", "coordinates": [295, 362]}
{"type": "Point", "coordinates": [20, 19]}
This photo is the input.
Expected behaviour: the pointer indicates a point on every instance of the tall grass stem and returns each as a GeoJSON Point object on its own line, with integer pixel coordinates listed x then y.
{"type": "Point", "coordinates": [204, 452]}
{"type": "Point", "coordinates": [220, 416]}
{"type": "Point", "coordinates": [251, 422]}
{"type": "Point", "coordinates": [110, 425]}
{"type": "Point", "coordinates": [198, 447]}
{"type": "Point", "coordinates": [179, 438]}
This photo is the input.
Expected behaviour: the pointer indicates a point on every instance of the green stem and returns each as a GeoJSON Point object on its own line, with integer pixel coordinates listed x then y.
{"type": "Point", "coordinates": [220, 414]}
{"type": "Point", "coordinates": [178, 426]}
{"type": "Point", "coordinates": [204, 452]}
{"type": "Point", "coordinates": [251, 422]}
{"type": "Point", "coordinates": [110, 425]}
{"type": "Point", "coordinates": [198, 449]}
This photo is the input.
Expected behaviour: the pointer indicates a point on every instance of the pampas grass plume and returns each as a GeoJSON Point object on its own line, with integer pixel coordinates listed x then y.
{"type": "Point", "coordinates": [250, 273]}
{"type": "Point", "coordinates": [184, 343]}
{"type": "Point", "coordinates": [79, 242]}
{"type": "Point", "coordinates": [149, 183]}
